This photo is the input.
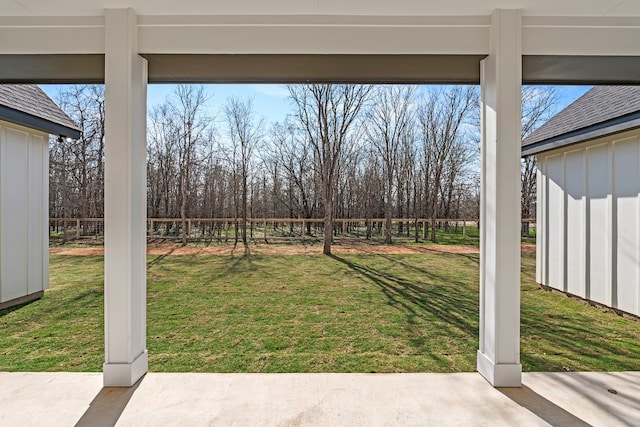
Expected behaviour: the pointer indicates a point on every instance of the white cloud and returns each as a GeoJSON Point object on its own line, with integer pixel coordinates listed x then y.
{"type": "Point", "coordinates": [274, 90]}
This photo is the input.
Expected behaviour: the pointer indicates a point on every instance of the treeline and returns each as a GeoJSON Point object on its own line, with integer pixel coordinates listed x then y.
{"type": "Point", "coordinates": [344, 151]}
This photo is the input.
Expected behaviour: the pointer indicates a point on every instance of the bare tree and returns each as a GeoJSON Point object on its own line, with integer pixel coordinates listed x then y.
{"type": "Point", "coordinates": [337, 155]}
{"type": "Point", "coordinates": [442, 116]}
{"type": "Point", "coordinates": [407, 180]}
{"type": "Point", "coordinates": [59, 184]}
{"type": "Point", "coordinates": [189, 112]}
{"type": "Point", "coordinates": [291, 152]}
{"type": "Point", "coordinates": [370, 187]}
{"type": "Point", "coordinates": [537, 106]}
{"type": "Point", "coordinates": [244, 134]}
{"type": "Point", "coordinates": [179, 134]}
{"type": "Point", "coordinates": [213, 177]}
{"type": "Point", "coordinates": [162, 163]}
{"type": "Point", "coordinates": [77, 166]}
{"type": "Point", "coordinates": [327, 113]}
{"type": "Point", "coordinates": [387, 124]}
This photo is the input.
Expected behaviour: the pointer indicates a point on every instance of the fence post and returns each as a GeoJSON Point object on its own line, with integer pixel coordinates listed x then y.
{"type": "Point", "coordinates": [78, 228]}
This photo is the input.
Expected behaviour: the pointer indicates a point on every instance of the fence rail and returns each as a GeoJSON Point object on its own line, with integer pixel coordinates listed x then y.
{"type": "Point", "coordinates": [273, 228]}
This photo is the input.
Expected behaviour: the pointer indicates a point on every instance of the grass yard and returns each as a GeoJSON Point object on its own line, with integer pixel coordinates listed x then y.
{"type": "Point", "coordinates": [309, 313]}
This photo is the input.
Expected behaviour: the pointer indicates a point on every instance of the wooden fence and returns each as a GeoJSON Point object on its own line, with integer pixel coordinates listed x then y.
{"type": "Point", "coordinates": [271, 229]}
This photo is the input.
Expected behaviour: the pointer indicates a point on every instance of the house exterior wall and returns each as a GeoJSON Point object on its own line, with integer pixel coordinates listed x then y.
{"type": "Point", "coordinates": [588, 240]}
{"type": "Point", "coordinates": [24, 211]}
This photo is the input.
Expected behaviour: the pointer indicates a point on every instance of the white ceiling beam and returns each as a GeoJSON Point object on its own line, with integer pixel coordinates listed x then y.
{"type": "Point", "coordinates": [52, 35]}
{"type": "Point", "coordinates": [581, 36]}
{"type": "Point", "coordinates": [448, 35]}
{"type": "Point", "coordinates": [313, 35]}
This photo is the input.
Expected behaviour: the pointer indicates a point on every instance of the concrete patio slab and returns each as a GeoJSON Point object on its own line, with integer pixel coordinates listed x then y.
{"type": "Point", "coordinates": [190, 399]}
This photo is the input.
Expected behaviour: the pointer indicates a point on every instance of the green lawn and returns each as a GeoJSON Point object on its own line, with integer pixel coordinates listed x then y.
{"type": "Point", "coordinates": [311, 313]}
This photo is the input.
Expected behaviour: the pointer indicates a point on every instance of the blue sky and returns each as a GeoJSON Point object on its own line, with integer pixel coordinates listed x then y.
{"type": "Point", "coordinates": [568, 94]}
{"type": "Point", "coordinates": [271, 100]}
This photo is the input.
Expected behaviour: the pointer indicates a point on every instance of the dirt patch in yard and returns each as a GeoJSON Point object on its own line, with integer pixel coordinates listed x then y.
{"type": "Point", "coordinates": [290, 249]}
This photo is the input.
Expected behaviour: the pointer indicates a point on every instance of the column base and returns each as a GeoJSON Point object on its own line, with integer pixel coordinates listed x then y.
{"type": "Point", "coordinates": [125, 374]}
{"type": "Point", "coordinates": [499, 375]}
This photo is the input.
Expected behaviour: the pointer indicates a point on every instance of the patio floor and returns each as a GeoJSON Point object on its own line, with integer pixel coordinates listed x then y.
{"type": "Point", "coordinates": [466, 399]}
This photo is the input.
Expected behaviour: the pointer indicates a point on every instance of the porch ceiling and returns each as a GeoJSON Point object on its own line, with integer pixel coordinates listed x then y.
{"type": "Point", "coordinates": [595, 8]}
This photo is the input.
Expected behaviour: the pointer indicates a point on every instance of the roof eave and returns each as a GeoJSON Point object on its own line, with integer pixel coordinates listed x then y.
{"type": "Point", "coordinates": [34, 122]}
{"type": "Point", "coordinates": [599, 130]}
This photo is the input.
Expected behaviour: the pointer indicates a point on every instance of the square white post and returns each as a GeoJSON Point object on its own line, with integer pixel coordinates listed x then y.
{"type": "Point", "coordinates": [125, 202]}
{"type": "Point", "coordinates": [501, 81]}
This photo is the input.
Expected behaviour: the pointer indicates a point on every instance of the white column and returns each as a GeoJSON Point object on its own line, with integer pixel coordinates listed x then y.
{"type": "Point", "coordinates": [501, 80]}
{"type": "Point", "coordinates": [125, 202]}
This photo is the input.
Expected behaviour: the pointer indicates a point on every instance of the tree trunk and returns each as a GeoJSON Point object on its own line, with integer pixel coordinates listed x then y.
{"type": "Point", "coordinates": [183, 214]}
{"type": "Point", "coordinates": [244, 207]}
{"type": "Point", "coordinates": [434, 205]}
{"type": "Point", "coordinates": [328, 218]}
{"type": "Point", "coordinates": [388, 215]}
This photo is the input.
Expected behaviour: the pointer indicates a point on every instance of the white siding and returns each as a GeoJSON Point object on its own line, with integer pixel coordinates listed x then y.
{"type": "Point", "coordinates": [555, 220]}
{"type": "Point", "coordinates": [575, 195]}
{"type": "Point", "coordinates": [589, 218]}
{"type": "Point", "coordinates": [599, 184]}
{"type": "Point", "coordinates": [45, 213]}
{"type": "Point", "coordinates": [35, 213]}
{"type": "Point", "coordinates": [24, 180]}
{"type": "Point", "coordinates": [540, 220]}
{"type": "Point", "coordinates": [14, 220]}
{"type": "Point", "coordinates": [627, 186]}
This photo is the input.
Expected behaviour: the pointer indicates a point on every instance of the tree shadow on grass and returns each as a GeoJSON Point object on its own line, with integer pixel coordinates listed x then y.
{"type": "Point", "coordinates": [238, 264]}
{"type": "Point", "coordinates": [574, 343]}
{"type": "Point", "coordinates": [573, 335]}
{"type": "Point", "coordinates": [158, 259]}
{"type": "Point", "coordinates": [416, 299]}
{"type": "Point", "coordinates": [552, 340]}
{"type": "Point", "coordinates": [575, 338]}
{"type": "Point", "coordinates": [474, 258]}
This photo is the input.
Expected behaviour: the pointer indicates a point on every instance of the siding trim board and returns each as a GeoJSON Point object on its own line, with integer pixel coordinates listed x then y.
{"type": "Point", "coordinates": [594, 132]}
{"type": "Point", "coordinates": [638, 240]}
{"type": "Point", "coordinates": [38, 123]}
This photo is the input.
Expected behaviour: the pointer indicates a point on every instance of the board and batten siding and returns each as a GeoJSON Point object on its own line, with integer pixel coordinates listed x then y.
{"type": "Point", "coordinates": [588, 216]}
{"type": "Point", "coordinates": [24, 212]}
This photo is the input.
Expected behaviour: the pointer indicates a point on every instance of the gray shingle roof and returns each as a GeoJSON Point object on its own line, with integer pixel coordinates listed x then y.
{"type": "Point", "coordinates": [602, 110]}
{"type": "Point", "coordinates": [29, 105]}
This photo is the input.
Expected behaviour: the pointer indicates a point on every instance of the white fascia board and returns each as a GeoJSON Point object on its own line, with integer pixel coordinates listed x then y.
{"type": "Point", "coordinates": [313, 35]}
{"type": "Point", "coordinates": [581, 36]}
{"type": "Point", "coordinates": [257, 34]}
{"type": "Point", "coordinates": [52, 35]}
{"type": "Point", "coordinates": [321, 34]}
